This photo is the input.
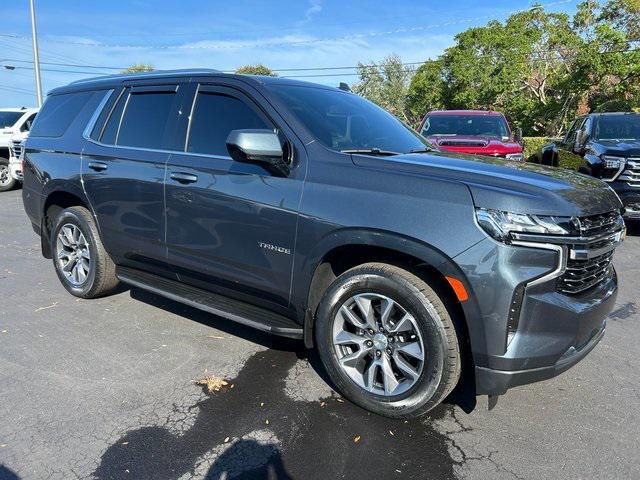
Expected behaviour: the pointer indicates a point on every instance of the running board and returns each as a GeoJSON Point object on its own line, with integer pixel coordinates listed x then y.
{"type": "Point", "coordinates": [231, 309]}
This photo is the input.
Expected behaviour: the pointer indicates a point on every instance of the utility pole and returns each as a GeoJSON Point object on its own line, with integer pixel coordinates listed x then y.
{"type": "Point", "coordinates": [36, 55]}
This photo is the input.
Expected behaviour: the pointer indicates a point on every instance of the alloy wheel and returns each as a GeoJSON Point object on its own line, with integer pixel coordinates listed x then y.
{"type": "Point", "coordinates": [378, 344]}
{"type": "Point", "coordinates": [5, 175]}
{"type": "Point", "coordinates": [74, 257]}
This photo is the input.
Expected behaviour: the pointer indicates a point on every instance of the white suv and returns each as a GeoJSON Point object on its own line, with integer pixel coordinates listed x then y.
{"type": "Point", "coordinates": [15, 124]}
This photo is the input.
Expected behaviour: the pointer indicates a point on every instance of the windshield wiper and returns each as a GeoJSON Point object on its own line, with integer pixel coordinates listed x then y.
{"type": "Point", "coordinates": [371, 151]}
{"type": "Point", "coordinates": [423, 150]}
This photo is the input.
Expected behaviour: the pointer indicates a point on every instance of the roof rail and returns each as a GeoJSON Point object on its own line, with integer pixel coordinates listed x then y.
{"type": "Point", "coordinates": [151, 74]}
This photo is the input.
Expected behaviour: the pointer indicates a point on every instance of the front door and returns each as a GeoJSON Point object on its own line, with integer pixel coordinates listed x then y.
{"type": "Point", "coordinates": [231, 227]}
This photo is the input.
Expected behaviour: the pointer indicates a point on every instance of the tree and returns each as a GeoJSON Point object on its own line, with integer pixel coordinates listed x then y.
{"type": "Point", "coordinates": [257, 69]}
{"type": "Point", "coordinates": [539, 68]}
{"type": "Point", "coordinates": [139, 67]}
{"type": "Point", "coordinates": [387, 85]}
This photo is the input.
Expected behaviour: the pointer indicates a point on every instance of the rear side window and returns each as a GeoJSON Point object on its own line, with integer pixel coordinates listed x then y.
{"type": "Point", "coordinates": [214, 116]}
{"type": "Point", "coordinates": [58, 112]}
{"type": "Point", "coordinates": [145, 119]}
{"type": "Point", "coordinates": [110, 130]}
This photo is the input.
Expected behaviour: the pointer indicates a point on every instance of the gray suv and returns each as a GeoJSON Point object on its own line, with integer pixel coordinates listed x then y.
{"type": "Point", "coordinates": [308, 212]}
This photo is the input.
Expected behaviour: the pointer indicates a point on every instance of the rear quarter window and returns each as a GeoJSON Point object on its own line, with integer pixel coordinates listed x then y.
{"type": "Point", "coordinates": [58, 112]}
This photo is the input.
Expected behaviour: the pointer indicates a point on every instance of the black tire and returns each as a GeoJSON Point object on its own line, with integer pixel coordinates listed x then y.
{"type": "Point", "coordinates": [7, 182]}
{"type": "Point", "coordinates": [101, 279]}
{"type": "Point", "coordinates": [441, 368]}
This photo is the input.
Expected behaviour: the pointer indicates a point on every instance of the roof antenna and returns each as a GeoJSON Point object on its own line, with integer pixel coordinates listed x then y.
{"type": "Point", "coordinates": [345, 87]}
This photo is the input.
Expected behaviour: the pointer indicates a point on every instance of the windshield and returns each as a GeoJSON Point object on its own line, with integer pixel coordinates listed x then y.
{"type": "Point", "coordinates": [469, 125]}
{"type": "Point", "coordinates": [618, 127]}
{"type": "Point", "coordinates": [7, 119]}
{"type": "Point", "coordinates": [344, 121]}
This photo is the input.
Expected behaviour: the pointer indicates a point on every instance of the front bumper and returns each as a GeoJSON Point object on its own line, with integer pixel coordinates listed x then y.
{"type": "Point", "coordinates": [15, 167]}
{"type": "Point", "coordinates": [497, 382]}
{"type": "Point", "coordinates": [554, 330]}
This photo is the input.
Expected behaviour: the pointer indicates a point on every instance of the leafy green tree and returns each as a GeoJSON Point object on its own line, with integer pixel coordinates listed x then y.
{"type": "Point", "coordinates": [427, 89]}
{"type": "Point", "coordinates": [139, 67]}
{"type": "Point", "coordinates": [386, 84]}
{"type": "Point", "coordinates": [258, 69]}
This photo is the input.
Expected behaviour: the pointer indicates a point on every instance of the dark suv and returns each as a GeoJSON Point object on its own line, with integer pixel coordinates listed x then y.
{"type": "Point", "coordinates": [609, 145]}
{"type": "Point", "coordinates": [308, 212]}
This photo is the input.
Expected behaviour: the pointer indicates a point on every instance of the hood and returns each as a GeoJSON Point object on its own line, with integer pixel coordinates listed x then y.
{"type": "Point", "coordinates": [628, 148]}
{"type": "Point", "coordinates": [475, 144]}
{"type": "Point", "coordinates": [508, 185]}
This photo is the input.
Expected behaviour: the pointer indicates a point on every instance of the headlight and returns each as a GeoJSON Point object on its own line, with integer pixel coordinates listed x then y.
{"type": "Point", "coordinates": [518, 157]}
{"type": "Point", "coordinates": [500, 224]}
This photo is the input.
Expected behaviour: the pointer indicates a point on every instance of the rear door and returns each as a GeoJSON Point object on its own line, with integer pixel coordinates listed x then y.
{"type": "Point", "coordinates": [123, 172]}
{"type": "Point", "coordinates": [231, 226]}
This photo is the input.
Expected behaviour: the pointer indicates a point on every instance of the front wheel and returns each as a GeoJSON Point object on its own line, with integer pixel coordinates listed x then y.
{"type": "Point", "coordinates": [387, 341]}
{"type": "Point", "coordinates": [81, 262]}
{"type": "Point", "coordinates": [7, 182]}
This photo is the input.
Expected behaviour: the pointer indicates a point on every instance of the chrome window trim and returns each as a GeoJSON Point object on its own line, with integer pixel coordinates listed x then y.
{"type": "Point", "coordinates": [94, 118]}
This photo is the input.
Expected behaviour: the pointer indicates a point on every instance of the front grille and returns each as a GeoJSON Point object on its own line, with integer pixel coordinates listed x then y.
{"type": "Point", "coordinates": [15, 147]}
{"type": "Point", "coordinates": [462, 143]}
{"type": "Point", "coordinates": [598, 224]}
{"type": "Point", "coordinates": [631, 173]}
{"type": "Point", "coordinates": [581, 275]}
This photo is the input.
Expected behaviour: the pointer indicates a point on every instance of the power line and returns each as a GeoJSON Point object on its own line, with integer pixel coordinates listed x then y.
{"type": "Point", "coordinates": [230, 44]}
{"type": "Point", "coordinates": [103, 67]}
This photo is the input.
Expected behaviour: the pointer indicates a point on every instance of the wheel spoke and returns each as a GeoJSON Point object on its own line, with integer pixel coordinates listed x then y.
{"type": "Point", "coordinates": [405, 324]}
{"type": "Point", "coordinates": [370, 375]}
{"type": "Point", "coordinates": [348, 338]}
{"type": "Point", "coordinates": [68, 267]}
{"type": "Point", "coordinates": [411, 349]}
{"type": "Point", "coordinates": [365, 306]}
{"type": "Point", "coordinates": [385, 311]}
{"type": "Point", "coordinates": [405, 366]}
{"type": "Point", "coordinates": [352, 317]}
{"type": "Point", "coordinates": [352, 359]}
{"type": "Point", "coordinates": [388, 377]}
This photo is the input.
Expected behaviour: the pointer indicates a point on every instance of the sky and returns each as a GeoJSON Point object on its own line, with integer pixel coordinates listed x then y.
{"type": "Point", "coordinates": [92, 38]}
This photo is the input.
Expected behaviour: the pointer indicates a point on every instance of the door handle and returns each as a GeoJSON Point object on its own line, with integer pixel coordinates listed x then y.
{"type": "Point", "coordinates": [98, 166]}
{"type": "Point", "coordinates": [184, 177]}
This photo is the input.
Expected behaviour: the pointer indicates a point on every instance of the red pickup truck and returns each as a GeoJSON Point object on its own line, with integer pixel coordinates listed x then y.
{"type": "Point", "coordinates": [477, 132]}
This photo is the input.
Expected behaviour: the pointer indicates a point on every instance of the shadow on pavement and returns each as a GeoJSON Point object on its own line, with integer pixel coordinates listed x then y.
{"type": "Point", "coordinates": [8, 474]}
{"type": "Point", "coordinates": [255, 430]}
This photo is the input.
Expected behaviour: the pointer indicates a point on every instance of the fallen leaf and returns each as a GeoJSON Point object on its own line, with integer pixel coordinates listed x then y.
{"type": "Point", "coordinates": [392, 433]}
{"type": "Point", "coordinates": [266, 422]}
{"type": "Point", "coordinates": [232, 385]}
{"type": "Point", "coordinates": [356, 439]}
{"type": "Point", "coordinates": [398, 471]}
{"type": "Point", "coordinates": [2, 445]}
{"type": "Point", "coordinates": [340, 400]}
{"type": "Point", "coordinates": [322, 404]}
{"type": "Point", "coordinates": [4, 331]}
{"type": "Point", "coordinates": [124, 443]}
{"type": "Point", "coordinates": [216, 336]}
{"type": "Point", "coordinates": [226, 440]}
{"type": "Point", "coordinates": [212, 383]}
{"type": "Point", "coordinates": [262, 404]}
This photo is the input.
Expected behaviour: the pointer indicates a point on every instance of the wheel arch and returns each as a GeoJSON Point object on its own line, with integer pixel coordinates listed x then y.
{"type": "Point", "coordinates": [351, 247]}
{"type": "Point", "coordinates": [55, 201]}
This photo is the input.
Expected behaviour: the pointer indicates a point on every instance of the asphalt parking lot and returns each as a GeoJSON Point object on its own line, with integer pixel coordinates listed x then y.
{"type": "Point", "coordinates": [106, 389]}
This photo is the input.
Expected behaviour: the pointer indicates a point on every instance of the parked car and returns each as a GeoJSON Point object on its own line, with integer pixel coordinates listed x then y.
{"type": "Point", "coordinates": [14, 125]}
{"type": "Point", "coordinates": [309, 212]}
{"type": "Point", "coordinates": [476, 132]}
{"type": "Point", "coordinates": [609, 144]}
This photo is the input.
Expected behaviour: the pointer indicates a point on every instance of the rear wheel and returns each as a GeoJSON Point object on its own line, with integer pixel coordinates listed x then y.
{"type": "Point", "coordinates": [81, 262]}
{"type": "Point", "coordinates": [387, 341]}
{"type": "Point", "coordinates": [7, 182]}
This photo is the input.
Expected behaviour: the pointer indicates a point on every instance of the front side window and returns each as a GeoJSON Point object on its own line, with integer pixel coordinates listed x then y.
{"type": "Point", "coordinates": [618, 127]}
{"type": "Point", "coordinates": [343, 121]}
{"type": "Point", "coordinates": [145, 118]}
{"type": "Point", "coordinates": [7, 119]}
{"type": "Point", "coordinates": [214, 116]}
{"type": "Point", "coordinates": [26, 126]}
{"type": "Point", "coordinates": [494, 126]}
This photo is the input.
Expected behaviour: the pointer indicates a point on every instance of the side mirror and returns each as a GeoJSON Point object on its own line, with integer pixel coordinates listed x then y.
{"type": "Point", "coordinates": [581, 138]}
{"type": "Point", "coordinates": [518, 136]}
{"type": "Point", "coordinates": [258, 146]}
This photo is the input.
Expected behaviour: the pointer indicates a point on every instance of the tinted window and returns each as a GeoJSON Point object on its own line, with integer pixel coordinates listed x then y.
{"type": "Point", "coordinates": [214, 116]}
{"type": "Point", "coordinates": [344, 121]}
{"type": "Point", "coordinates": [618, 127]}
{"type": "Point", "coordinates": [7, 119]}
{"type": "Point", "coordinates": [145, 119]}
{"type": "Point", "coordinates": [111, 128]}
{"type": "Point", "coordinates": [471, 125]}
{"type": "Point", "coordinates": [58, 112]}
